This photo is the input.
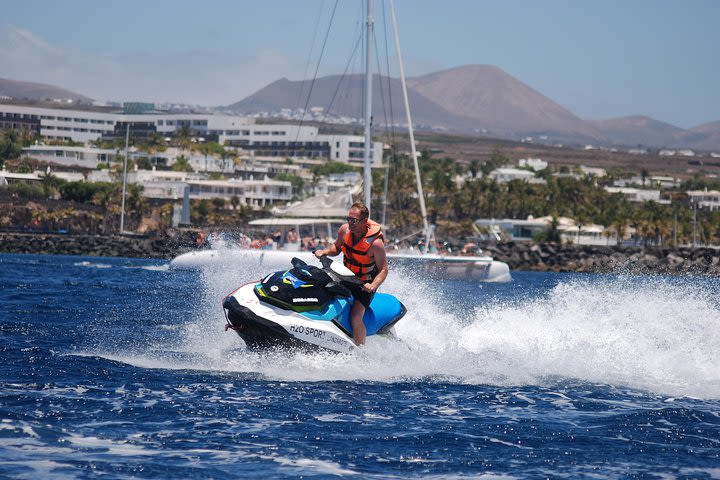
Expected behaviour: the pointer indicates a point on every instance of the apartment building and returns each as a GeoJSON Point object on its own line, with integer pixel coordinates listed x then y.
{"type": "Point", "coordinates": [93, 123]}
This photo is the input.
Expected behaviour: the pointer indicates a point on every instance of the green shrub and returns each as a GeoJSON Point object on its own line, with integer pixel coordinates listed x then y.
{"type": "Point", "coordinates": [83, 192]}
{"type": "Point", "coordinates": [29, 191]}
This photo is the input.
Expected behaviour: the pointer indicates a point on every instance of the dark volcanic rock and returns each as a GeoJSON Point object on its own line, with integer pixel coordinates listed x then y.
{"type": "Point", "coordinates": [605, 259]}
{"type": "Point", "coordinates": [167, 246]}
{"type": "Point", "coordinates": [542, 257]}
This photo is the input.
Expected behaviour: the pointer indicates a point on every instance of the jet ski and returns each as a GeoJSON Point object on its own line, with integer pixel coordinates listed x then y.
{"type": "Point", "coordinates": [306, 307]}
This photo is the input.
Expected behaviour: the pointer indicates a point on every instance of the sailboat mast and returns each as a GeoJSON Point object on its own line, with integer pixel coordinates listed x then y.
{"type": "Point", "coordinates": [124, 184]}
{"type": "Point", "coordinates": [423, 211]}
{"type": "Point", "coordinates": [368, 101]}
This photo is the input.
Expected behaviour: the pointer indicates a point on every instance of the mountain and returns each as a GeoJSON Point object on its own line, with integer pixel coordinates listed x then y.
{"type": "Point", "coordinates": [704, 137]}
{"type": "Point", "coordinates": [466, 99]}
{"type": "Point", "coordinates": [639, 130]}
{"type": "Point", "coordinates": [500, 103]}
{"type": "Point", "coordinates": [471, 99]}
{"type": "Point", "coordinates": [343, 96]}
{"type": "Point", "coordinates": [38, 91]}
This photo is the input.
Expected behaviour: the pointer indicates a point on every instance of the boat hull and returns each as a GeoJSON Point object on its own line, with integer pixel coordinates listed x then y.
{"type": "Point", "coordinates": [482, 269]}
{"type": "Point", "coordinates": [241, 257]}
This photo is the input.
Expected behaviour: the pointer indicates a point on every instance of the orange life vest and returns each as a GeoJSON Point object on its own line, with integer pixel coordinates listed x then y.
{"type": "Point", "coordinates": [356, 255]}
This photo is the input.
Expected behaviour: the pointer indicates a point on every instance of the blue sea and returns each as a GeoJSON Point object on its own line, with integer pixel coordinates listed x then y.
{"type": "Point", "coordinates": [121, 368]}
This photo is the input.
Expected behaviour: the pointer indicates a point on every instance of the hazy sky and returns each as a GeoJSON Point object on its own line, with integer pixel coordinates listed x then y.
{"type": "Point", "coordinates": [598, 58]}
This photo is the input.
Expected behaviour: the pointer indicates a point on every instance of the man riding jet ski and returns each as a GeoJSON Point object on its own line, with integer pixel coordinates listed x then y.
{"type": "Point", "coordinates": [306, 307]}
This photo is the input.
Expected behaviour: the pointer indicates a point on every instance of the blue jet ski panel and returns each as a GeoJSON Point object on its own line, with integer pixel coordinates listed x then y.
{"type": "Point", "coordinates": [384, 311]}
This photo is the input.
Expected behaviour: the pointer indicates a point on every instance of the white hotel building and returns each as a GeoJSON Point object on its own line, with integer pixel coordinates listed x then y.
{"type": "Point", "coordinates": [293, 141]}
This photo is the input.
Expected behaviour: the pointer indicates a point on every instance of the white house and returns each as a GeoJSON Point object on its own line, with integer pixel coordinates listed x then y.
{"type": "Point", "coordinates": [705, 199]}
{"type": "Point", "coordinates": [507, 174]}
{"type": "Point", "coordinates": [6, 178]}
{"type": "Point", "coordinates": [597, 172]}
{"type": "Point", "coordinates": [638, 195]}
{"type": "Point", "coordinates": [86, 157]}
{"type": "Point", "coordinates": [525, 229]}
{"type": "Point", "coordinates": [537, 164]}
{"type": "Point", "coordinates": [334, 183]}
{"type": "Point", "coordinates": [256, 193]}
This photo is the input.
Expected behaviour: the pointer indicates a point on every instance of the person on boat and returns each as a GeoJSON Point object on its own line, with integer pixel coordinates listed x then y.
{"type": "Point", "coordinates": [363, 246]}
{"type": "Point", "coordinates": [291, 236]}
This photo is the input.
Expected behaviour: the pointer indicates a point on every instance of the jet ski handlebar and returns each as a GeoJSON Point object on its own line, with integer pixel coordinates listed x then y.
{"type": "Point", "coordinates": [336, 270]}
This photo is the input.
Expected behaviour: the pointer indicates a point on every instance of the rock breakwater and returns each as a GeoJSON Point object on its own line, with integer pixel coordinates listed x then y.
{"type": "Point", "coordinates": [605, 259]}
{"type": "Point", "coordinates": [519, 256]}
{"type": "Point", "coordinates": [95, 245]}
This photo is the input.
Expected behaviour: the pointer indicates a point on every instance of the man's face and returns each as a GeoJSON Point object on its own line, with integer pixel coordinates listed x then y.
{"type": "Point", "coordinates": [355, 221]}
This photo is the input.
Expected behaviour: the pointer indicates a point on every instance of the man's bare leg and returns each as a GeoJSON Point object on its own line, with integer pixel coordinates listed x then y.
{"type": "Point", "coordinates": [356, 320]}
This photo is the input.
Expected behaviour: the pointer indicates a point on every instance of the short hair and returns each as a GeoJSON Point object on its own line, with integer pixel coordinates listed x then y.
{"type": "Point", "coordinates": [364, 212]}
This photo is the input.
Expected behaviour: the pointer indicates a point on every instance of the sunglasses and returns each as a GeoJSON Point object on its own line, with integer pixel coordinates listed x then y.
{"type": "Point", "coordinates": [352, 220]}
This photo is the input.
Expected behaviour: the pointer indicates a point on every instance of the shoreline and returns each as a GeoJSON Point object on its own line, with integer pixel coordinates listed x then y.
{"type": "Point", "coordinates": [544, 257]}
{"type": "Point", "coordinates": [94, 245]}
{"type": "Point", "coordinates": [556, 257]}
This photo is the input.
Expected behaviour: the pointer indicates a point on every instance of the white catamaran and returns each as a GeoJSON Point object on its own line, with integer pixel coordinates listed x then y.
{"type": "Point", "coordinates": [475, 267]}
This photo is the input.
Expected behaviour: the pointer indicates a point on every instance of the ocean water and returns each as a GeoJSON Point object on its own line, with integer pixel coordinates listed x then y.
{"type": "Point", "coordinates": [121, 368]}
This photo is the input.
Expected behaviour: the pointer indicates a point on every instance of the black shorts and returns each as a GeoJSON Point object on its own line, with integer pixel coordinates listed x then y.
{"type": "Point", "coordinates": [361, 295]}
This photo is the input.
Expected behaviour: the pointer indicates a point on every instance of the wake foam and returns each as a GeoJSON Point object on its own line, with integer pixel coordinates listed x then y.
{"type": "Point", "coordinates": [659, 334]}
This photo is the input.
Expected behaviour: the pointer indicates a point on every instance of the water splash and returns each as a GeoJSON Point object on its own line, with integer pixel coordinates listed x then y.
{"type": "Point", "coordinates": [659, 334]}
{"type": "Point", "coordinates": [644, 332]}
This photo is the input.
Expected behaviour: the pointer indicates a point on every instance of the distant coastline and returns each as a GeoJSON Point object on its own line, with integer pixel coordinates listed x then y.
{"type": "Point", "coordinates": [543, 257]}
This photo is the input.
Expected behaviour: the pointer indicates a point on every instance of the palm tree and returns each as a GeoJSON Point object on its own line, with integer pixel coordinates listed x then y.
{"type": "Point", "coordinates": [644, 175]}
{"type": "Point", "coordinates": [27, 136]}
{"type": "Point", "coordinates": [9, 145]}
{"type": "Point", "coordinates": [622, 219]}
{"type": "Point", "coordinates": [182, 164]}
{"type": "Point", "coordinates": [107, 199]}
{"type": "Point", "coordinates": [183, 137]}
{"type": "Point", "coordinates": [136, 203]}
{"type": "Point", "coordinates": [656, 221]}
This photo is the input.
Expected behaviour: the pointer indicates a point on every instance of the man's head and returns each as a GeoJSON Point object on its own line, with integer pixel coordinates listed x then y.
{"type": "Point", "coordinates": [357, 217]}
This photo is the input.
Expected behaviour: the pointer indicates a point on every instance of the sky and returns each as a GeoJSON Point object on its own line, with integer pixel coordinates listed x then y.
{"type": "Point", "coordinates": [600, 59]}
